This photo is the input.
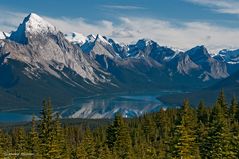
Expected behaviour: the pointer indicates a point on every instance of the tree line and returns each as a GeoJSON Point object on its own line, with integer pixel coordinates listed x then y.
{"type": "Point", "coordinates": [177, 133]}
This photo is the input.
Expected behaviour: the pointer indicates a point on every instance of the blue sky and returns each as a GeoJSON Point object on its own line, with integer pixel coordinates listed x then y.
{"type": "Point", "coordinates": [178, 23]}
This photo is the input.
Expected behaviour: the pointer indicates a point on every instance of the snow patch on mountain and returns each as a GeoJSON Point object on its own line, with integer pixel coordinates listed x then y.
{"type": "Point", "coordinates": [99, 38]}
{"type": "Point", "coordinates": [142, 43]}
{"type": "Point", "coordinates": [91, 38]}
{"type": "Point", "coordinates": [177, 50]}
{"type": "Point", "coordinates": [76, 38]}
{"type": "Point", "coordinates": [3, 35]}
{"type": "Point", "coordinates": [102, 39]}
{"type": "Point", "coordinates": [228, 56]}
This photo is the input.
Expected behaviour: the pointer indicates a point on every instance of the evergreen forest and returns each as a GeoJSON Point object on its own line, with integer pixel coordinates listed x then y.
{"type": "Point", "coordinates": [186, 132]}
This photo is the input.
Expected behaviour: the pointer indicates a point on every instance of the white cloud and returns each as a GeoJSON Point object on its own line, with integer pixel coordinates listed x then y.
{"type": "Point", "coordinates": [123, 7]}
{"type": "Point", "coordinates": [9, 20]}
{"type": "Point", "coordinates": [129, 29]}
{"type": "Point", "coordinates": [221, 6]}
{"type": "Point", "coordinates": [188, 35]}
{"type": "Point", "coordinates": [67, 25]}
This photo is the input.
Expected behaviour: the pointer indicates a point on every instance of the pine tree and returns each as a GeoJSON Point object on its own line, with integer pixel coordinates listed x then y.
{"type": "Point", "coordinates": [103, 152]}
{"type": "Point", "coordinates": [87, 147]}
{"type": "Point", "coordinates": [118, 138]}
{"type": "Point", "coordinates": [123, 143]}
{"type": "Point", "coordinates": [58, 145]}
{"type": "Point", "coordinates": [20, 142]}
{"type": "Point", "coordinates": [163, 123]}
{"type": "Point", "coordinates": [144, 150]}
{"type": "Point", "coordinates": [51, 135]}
{"type": "Point", "coordinates": [164, 126]}
{"type": "Point", "coordinates": [218, 142]}
{"type": "Point", "coordinates": [46, 130]}
{"type": "Point", "coordinates": [221, 101]}
{"type": "Point", "coordinates": [237, 113]}
{"type": "Point", "coordinates": [149, 128]}
{"type": "Point", "coordinates": [235, 139]}
{"type": "Point", "coordinates": [111, 137]}
{"type": "Point", "coordinates": [33, 144]}
{"type": "Point", "coordinates": [184, 145]}
{"type": "Point", "coordinates": [81, 153]}
{"type": "Point", "coordinates": [112, 131]}
{"type": "Point", "coordinates": [202, 113]}
{"type": "Point", "coordinates": [7, 142]}
{"type": "Point", "coordinates": [202, 132]}
{"type": "Point", "coordinates": [233, 109]}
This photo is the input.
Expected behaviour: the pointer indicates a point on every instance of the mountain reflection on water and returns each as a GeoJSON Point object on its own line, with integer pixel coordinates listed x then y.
{"type": "Point", "coordinates": [129, 105]}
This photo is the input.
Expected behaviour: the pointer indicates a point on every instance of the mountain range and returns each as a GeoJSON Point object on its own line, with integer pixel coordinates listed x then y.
{"type": "Point", "coordinates": [38, 61]}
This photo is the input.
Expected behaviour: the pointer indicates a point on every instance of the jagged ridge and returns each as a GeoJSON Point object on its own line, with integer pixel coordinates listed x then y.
{"type": "Point", "coordinates": [96, 64]}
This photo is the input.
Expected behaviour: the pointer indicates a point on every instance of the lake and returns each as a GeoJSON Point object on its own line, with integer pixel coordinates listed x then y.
{"type": "Point", "coordinates": [129, 105]}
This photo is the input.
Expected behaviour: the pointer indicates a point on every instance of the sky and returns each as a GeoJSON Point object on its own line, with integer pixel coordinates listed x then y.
{"type": "Point", "coordinates": [181, 24]}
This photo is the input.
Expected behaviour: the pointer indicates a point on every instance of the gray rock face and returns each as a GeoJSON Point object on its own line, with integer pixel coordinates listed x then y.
{"type": "Point", "coordinates": [185, 65]}
{"type": "Point", "coordinates": [209, 67]}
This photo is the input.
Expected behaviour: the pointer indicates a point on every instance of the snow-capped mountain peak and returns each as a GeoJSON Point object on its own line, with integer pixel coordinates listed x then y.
{"type": "Point", "coordinates": [76, 38]}
{"type": "Point", "coordinates": [35, 24]}
{"type": "Point", "coordinates": [144, 42]}
{"type": "Point", "coordinates": [91, 38]}
{"type": "Point", "coordinates": [101, 39]}
{"type": "Point", "coordinates": [32, 25]}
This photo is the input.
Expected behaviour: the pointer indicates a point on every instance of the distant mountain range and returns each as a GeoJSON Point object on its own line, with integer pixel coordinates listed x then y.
{"type": "Point", "coordinates": [38, 61]}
